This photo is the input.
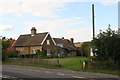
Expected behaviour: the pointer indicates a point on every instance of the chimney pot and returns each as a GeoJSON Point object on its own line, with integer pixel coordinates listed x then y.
{"type": "Point", "coordinates": [33, 31]}
{"type": "Point", "coordinates": [72, 40]}
{"type": "Point", "coordinates": [63, 38]}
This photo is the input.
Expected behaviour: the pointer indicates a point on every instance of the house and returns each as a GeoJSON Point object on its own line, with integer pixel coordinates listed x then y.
{"type": "Point", "coordinates": [78, 45]}
{"type": "Point", "coordinates": [31, 43]}
{"type": "Point", "coordinates": [65, 47]}
{"type": "Point", "coordinates": [11, 48]}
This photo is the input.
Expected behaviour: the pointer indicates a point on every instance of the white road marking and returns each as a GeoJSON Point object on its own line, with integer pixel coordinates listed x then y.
{"type": "Point", "coordinates": [77, 77]}
{"type": "Point", "coordinates": [6, 76]}
{"type": "Point", "coordinates": [60, 74]}
{"type": "Point", "coordinates": [70, 74]}
{"type": "Point", "coordinates": [13, 77]}
{"type": "Point", "coordinates": [24, 69]}
{"type": "Point", "coordinates": [48, 72]}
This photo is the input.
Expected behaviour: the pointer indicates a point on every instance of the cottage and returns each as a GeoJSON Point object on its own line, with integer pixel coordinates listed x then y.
{"type": "Point", "coordinates": [78, 45]}
{"type": "Point", "coordinates": [65, 47]}
{"type": "Point", "coordinates": [31, 43]}
{"type": "Point", "coordinates": [54, 47]}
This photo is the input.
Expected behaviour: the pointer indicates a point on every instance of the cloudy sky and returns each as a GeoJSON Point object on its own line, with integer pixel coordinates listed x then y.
{"type": "Point", "coordinates": [69, 19]}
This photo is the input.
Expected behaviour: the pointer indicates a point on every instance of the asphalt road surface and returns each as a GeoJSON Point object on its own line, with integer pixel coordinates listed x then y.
{"type": "Point", "coordinates": [15, 72]}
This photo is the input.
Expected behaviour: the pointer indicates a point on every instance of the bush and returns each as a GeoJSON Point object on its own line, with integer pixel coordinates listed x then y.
{"type": "Point", "coordinates": [9, 54]}
{"type": "Point", "coordinates": [108, 46]}
{"type": "Point", "coordinates": [103, 65]}
{"type": "Point", "coordinates": [85, 48]}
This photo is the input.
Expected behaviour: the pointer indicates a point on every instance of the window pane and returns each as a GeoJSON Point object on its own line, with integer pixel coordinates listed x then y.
{"type": "Point", "coordinates": [48, 41]}
{"type": "Point", "coordinates": [33, 51]}
{"type": "Point", "coordinates": [20, 51]}
{"type": "Point", "coordinates": [48, 51]}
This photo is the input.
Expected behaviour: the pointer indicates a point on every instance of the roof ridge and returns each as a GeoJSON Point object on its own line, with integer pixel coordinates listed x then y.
{"type": "Point", "coordinates": [61, 38]}
{"type": "Point", "coordinates": [36, 33]}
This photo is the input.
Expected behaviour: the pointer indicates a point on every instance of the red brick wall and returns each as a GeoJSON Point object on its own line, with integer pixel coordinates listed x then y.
{"type": "Point", "coordinates": [52, 47]}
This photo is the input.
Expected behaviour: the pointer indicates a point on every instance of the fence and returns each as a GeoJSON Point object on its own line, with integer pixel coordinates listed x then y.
{"type": "Point", "coordinates": [34, 61]}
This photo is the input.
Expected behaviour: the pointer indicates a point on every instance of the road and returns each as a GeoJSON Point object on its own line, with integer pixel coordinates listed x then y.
{"type": "Point", "coordinates": [14, 72]}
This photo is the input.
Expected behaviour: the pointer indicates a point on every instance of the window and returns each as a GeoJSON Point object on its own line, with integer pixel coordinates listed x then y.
{"type": "Point", "coordinates": [68, 54]}
{"type": "Point", "coordinates": [91, 52]}
{"type": "Point", "coordinates": [48, 42]}
{"type": "Point", "coordinates": [60, 45]}
{"type": "Point", "coordinates": [62, 51]}
{"type": "Point", "coordinates": [33, 51]}
{"type": "Point", "coordinates": [20, 51]}
{"type": "Point", "coordinates": [32, 35]}
{"type": "Point", "coordinates": [48, 52]}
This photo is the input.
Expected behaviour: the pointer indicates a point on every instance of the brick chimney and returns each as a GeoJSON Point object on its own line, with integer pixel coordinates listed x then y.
{"type": "Point", "coordinates": [33, 31]}
{"type": "Point", "coordinates": [72, 40]}
{"type": "Point", "coordinates": [62, 38]}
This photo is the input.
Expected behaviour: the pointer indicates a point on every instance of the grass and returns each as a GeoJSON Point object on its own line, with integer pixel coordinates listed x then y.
{"type": "Point", "coordinates": [73, 63]}
{"type": "Point", "coordinates": [35, 65]}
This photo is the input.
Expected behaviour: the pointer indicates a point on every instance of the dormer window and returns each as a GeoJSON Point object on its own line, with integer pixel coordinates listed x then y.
{"type": "Point", "coordinates": [32, 35]}
{"type": "Point", "coordinates": [48, 42]}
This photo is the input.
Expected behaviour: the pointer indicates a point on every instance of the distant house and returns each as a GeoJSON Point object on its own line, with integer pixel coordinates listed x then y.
{"type": "Point", "coordinates": [78, 45]}
{"type": "Point", "coordinates": [31, 43]}
{"type": "Point", "coordinates": [11, 48]}
{"type": "Point", "coordinates": [65, 47]}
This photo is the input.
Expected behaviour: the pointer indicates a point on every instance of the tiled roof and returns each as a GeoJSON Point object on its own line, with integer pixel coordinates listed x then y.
{"type": "Point", "coordinates": [66, 43]}
{"type": "Point", "coordinates": [28, 40]}
{"type": "Point", "coordinates": [78, 44]}
{"type": "Point", "coordinates": [11, 42]}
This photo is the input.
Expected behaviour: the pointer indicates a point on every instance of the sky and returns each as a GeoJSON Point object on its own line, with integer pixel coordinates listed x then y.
{"type": "Point", "coordinates": [68, 19]}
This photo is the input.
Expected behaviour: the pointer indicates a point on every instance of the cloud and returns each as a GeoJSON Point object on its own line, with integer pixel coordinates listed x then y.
{"type": "Point", "coordinates": [61, 27]}
{"type": "Point", "coordinates": [44, 9]}
{"type": "Point", "coordinates": [9, 6]}
{"type": "Point", "coordinates": [6, 19]}
{"type": "Point", "coordinates": [109, 3]}
{"type": "Point", "coordinates": [6, 27]}
{"type": "Point", "coordinates": [79, 34]}
{"type": "Point", "coordinates": [55, 25]}
{"type": "Point", "coordinates": [34, 7]}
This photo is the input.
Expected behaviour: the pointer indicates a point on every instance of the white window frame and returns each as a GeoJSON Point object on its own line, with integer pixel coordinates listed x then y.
{"type": "Point", "coordinates": [48, 52]}
{"type": "Point", "coordinates": [60, 45]}
{"type": "Point", "coordinates": [48, 42]}
{"type": "Point", "coordinates": [21, 51]}
{"type": "Point", "coordinates": [33, 51]}
{"type": "Point", "coordinates": [91, 52]}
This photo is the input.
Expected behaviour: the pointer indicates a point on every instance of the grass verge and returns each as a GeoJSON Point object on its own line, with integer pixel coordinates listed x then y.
{"type": "Point", "coordinates": [73, 63]}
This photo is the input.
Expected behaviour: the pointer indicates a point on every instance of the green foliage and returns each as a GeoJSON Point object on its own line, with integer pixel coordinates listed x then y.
{"type": "Point", "coordinates": [85, 48]}
{"type": "Point", "coordinates": [5, 44]}
{"type": "Point", "coordinates": [5, 53]}
{"type": "Point", "coordinates": [9, 54]}
{"type": "Point", "coordinates": [108, 46]}
{"type": "Point", "coordinates": [12, 54]}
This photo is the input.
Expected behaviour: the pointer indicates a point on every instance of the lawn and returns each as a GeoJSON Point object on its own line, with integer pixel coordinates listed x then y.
{"type": "Point", "coordinates": [74, 63]}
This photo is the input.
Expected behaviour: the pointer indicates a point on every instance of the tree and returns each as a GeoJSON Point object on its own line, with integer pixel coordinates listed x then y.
{"type": "Point", "coordinates": [5, 45]}
{"type": "Point", "coordinates": [7, 54]}
{"type": "Point", "coordinates": [108, 46]}
{"type": "Point", "coordinates": [85, 48]}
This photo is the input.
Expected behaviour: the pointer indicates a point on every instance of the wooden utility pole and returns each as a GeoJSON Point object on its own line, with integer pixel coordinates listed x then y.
{"type": "Point", "coordinates": [93, 21]}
